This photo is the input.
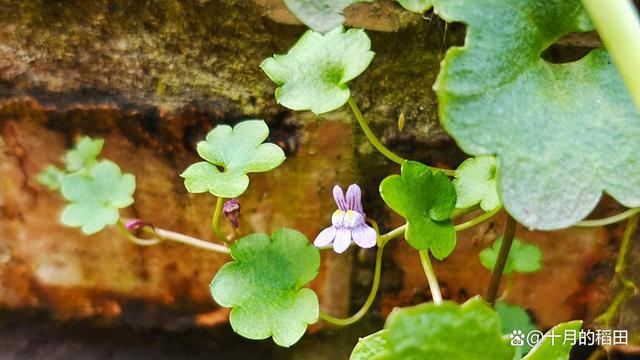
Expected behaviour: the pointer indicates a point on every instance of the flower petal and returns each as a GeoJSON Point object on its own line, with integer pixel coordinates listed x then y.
{"type": "Point", "coordinates": [354, 201]}
{"type": "Point", "coordinates": [364, 236]}
{"type": "Point", "coordinates": [338, 196]}
{"type": "Point", "coordinates": [325, 237]}
{"type": "Point", "coordinates": [342, 241]}
{"type": "Point", "coordinates": [337, 218]}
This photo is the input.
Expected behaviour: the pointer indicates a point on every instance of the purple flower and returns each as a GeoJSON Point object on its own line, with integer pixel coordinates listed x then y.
{"type": "Point", "coordinates": [348, 223]}
{"type": "Point", "coordinates": [231, 210]}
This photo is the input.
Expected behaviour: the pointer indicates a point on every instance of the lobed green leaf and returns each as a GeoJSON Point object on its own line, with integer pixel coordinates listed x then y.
{"type": "Point", "coordinates": [426, 199]}
{"type": "Point", "coordinates": [238, 151]}
{"type": "Point", "coordinates": [264, 286]}
{"type": "Point", "coordinates": [475, 183]}
{"type": "Point", "coordinates": [313, 75]}
{"type": "Point", "coordinates": [321, 15]}
{"type": "Point", "coordinates": [523, 258]}
{"type": "Point", "coordinates": [562, 133]}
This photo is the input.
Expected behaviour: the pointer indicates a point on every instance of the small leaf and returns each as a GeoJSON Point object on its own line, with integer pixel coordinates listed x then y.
{"type": "Point", "coordinates": [418, 6]}
{"type": "Point", "coordinates": [371, 346]}
{"type": "Point", "coordinates": [321, 15]}
{"type": "Point", "coordinates": [446, 331]}
{"type": "Point", "coordinates": [84, 154]}
{"type": "Point", "coordinates": [556, 348]}
{"type": "Point", "coordinates": [314, 74]}
{"type": "Point", "coordinates": [239, 151]}
{"type": "Point", "coordinates": [264, 286]}
{"type": "Point", "coordinates": [514, 318]}
{"type": "Point", "coordinates": [523, 258]}
{"type": "Point", "coordinates": [562, 133]}
{"type": "Point", "coordinates": [426, 199]}
{"type": "Point", "coordinates": [95, 196]}
{"type": "Point", "coordinates": [476, 183]}
{"type": "Point", "coordinates": [50, 177]}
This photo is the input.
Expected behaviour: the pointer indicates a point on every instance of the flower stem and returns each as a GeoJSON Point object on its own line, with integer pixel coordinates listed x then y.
{"type": "Point", "coordinates": [503, 254]}
{"type": "Point", "coordinates": [618, 25]}
{"type": "Point", "coordinates": [162, 235]}
{"type": "Point", "coordinates": [215, 221]}
{"type": "Point", "coordinates": [377, 144]}
{"type": "Point", "coordinates": [371, 136]}
{"type": "Point", "coordinates": [628, 287]}
{"type": "Point", "coordinates": [609, 220]}
{"type": "Point", "coordinates": [372, 295]}
{"type": "Point", "coordinates": [477, 220]}
{"type": "Point", "coordinates": [431, 277]}
{"type": "Point", "coordinates": [383, 239]}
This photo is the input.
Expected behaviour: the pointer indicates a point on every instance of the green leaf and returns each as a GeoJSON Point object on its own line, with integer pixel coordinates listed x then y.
{"type": "Point", "coordinates": [321, 15]}
{"type": "Point", "coordinates": [562, 133]}
{"type": "Point", "coordinates": [426, 199]}
{"type": "Point", "coordinates": [264, 286]}
{"type": "Point", "coordinates": [514, 318]}
{"type": "Point", "coordinates": [238, 151]}
{"type": "Point", "coordinates": [523, 258]}
{"type": "Point", "coordinates": [50, 177]}
{"type": "Point", "coordinates": [447, 331]}
{"type": "Point", "coordinates": [314, 74]}
{"type": "Point", "coordinates": [554, 348]}
{"type": "Point", "coordinates": [419, 6]}
{"type": "Point", "coordinates": [95, 196]}
{"type": "Point", "coordinates": [84, 154]}
{"type": "Point", "coordinates": [370, 346]}
{"type": "Point", "coordinates": [476, 183]}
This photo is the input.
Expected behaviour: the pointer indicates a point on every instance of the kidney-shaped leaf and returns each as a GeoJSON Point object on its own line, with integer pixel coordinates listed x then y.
{"type": "Point", "coordinates": [238, 151]}
{"type": "Point", "coordinates": [321, 15]}
{"type": "Point", "coordinates": [314, 74]}
{"type": "Point", "coordinates": [371, 346]}
{"type": "Point", "coordinates": [563, 133]}
{"type": "Point", "coordinates": [264, 286]}
{"type": "Point", "coordinates": [426, 199]}
{"type": "Point", "coordinates": [446, 331]}
{"type": "Point", "coordinates": [95, 196]}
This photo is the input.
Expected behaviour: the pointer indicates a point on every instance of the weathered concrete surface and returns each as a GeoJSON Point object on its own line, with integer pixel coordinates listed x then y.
{"type": "Point", "coordinates": [152, 78]}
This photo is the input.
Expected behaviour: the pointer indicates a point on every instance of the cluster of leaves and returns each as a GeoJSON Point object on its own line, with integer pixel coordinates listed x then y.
{"type": "Point", "coordinates": [472, 330]}
{"type": "Point", "coordinates": [96, 189]}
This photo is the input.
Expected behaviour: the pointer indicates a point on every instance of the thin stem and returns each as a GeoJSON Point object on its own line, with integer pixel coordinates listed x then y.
{"type": "Point", "coordinates": [628, 287]}
{"type": "Point", "coordinates": [609, 220]}
{"type": "Point", "coordinates": [161, 235]}
{"type": "Point", "coordinates": [618, 25]}
{"type": "Point", "coordinates": [367, 304]}
{"type": "Point", "coordinates": [477, 220]}
{"type": "Point", "coordinates": [215, 221]}
{"type": "Point", "coordinates": [431, 277]}
{"type": "Point", "coordinates": [371, 136]}
{"type": "Point", "coordinates": [383, 239]}
{"type": "Point", "coordinates": [503, 254]}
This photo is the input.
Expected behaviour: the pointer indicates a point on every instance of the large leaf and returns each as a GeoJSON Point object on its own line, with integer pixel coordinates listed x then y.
{"type": "Point", "coordinates": [95, 196]}
{"type": "Point", "coordinates": [426, 199]}
{"type": "Point", "coordinates": [264, 286]}
{"type": "Point", "coordinates": [523, 258]}
{"type": "Point", "coordinates": [321, 15]}
{"type": "Point", "coordinates": [314, 74]}
{"type": "Point", "coordinates": [562, 133]}
{"type": "Point", "coordinates": [371, 346]}
{"type": "Point", "coordinates": [238, 150]}
{"type": "Point", "coordinates": [557, 342]}
{"type": "Point", "coordinates": [447, 331]}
